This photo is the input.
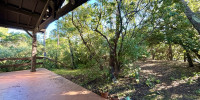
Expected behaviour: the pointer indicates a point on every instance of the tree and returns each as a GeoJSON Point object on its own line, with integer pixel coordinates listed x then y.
{"type": "Point", "coordinates": [111, 21]}
{"type": "Point", "coordinates": [193, 17]}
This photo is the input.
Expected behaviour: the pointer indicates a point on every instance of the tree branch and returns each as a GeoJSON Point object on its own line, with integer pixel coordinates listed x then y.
{"type": "Point", "coordinates": [29, 34]}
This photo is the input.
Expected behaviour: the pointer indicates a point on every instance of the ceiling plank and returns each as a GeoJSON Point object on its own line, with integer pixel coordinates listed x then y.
{"type": "Point", "coordinates": [15, 25]}
{"type": "Point", "coordinates": [6, 15]}
{"type": "Point", "coordinates": [17, 10]}
{"type": "Point", "coordinates": [29, 21]}
{"type": "Point", "coordinates": [20, 3]}
{"type": "Point", "coordinates": [34, 6]}
{"type": "Point", "coordinates": [18, 18]}
{"type": "Point", "coordinates": [33, 10]}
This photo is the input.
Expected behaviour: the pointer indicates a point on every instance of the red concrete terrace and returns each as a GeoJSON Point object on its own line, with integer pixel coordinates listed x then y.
{"type": "Point", "coordinates": [41, 85]}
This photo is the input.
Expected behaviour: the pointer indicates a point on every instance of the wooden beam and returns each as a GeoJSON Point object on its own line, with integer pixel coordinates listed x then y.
{"type": "Point", "coordinates": [25, 58]}
{"type": "Point", "coordinates": [45, 24]}
{"type": "Point", "coordinates": [19, 65]}
{"type": "Point", "coordinates": [18, 10]}
{"type": "Point", "coordinates": [41, 17]}
{"type": "Point", "coordinates": [69, 7]}
{"type": "Point", "coordinates": [64, 10]}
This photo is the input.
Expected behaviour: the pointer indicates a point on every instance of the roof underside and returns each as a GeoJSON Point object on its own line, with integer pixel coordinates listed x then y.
{"type": "Point", "coordinates": [33, 15]}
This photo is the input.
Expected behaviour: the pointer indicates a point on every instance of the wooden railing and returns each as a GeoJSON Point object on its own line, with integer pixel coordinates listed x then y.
{"type": "Point", "coordinates": [19, 65]}
{"type": "Point", "coordinates": [26, 64]}
{"type": "Point", "coordinates": [26, 58]}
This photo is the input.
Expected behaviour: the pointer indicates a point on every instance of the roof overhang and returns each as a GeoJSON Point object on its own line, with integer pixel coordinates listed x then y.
{"type": "Point", "coordinates": [34, 15]}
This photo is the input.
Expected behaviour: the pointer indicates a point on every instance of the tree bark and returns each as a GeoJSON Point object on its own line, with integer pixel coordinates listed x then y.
{"type": "Point", "coordinates": [190, 15]}
{"type": "Point", "coordinates": [57, 49]}
{"type": "Point", "coordinates": [153, 55]}
{"type": "Point", "coordinates": [34, 53]}
{"type": "Point", "coordinates": [170, 52]}
{"type": "Point", "coordinates": [71, 53]}
{"type": "Point", "coordinates": [189, 59]}
{"type": "Point", "coordinates": [114, 62]}
{"type": "Point", "coordinates": [44, 43]}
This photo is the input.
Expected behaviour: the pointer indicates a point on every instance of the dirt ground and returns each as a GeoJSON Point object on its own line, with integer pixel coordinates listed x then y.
{"type": "Point", "coordinates": [177, 81]}
{"type": "Point", "coordinates": [159, 80]}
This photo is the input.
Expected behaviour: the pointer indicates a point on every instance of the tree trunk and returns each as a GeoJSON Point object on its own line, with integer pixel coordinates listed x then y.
{"type": "Point", "coordinates": [58, 43]}
{"type": "Point", "coordinates": [114, 64]}
{"type": "Point", "coordinates": [72, 54]}
{"type": "Point", "coordinates": [191, 16]}
{"type": "Point", "coordinates": [44, 43]}
{"type": "Point", "coordinates": [189, 59]}
{"type": "Point", "coordinates": [170, 52]}
{"type": "Point", "coordinates": [34, 53]}
{"type": "Point", "coordinates": [153, 56]}
{"type": "Point", "coordinates": [114, 61]}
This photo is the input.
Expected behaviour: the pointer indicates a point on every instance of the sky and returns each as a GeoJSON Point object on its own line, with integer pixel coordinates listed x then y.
{"type": "Point", "coordinates": [49, 28]}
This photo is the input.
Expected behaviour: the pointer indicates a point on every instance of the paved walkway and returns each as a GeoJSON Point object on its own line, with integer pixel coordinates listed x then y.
{"type": "Point", "coordinates": [41, 85]}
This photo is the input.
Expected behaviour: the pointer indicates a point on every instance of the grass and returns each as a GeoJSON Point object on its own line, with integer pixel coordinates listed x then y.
{"type": "Point", "coordinates": [74, 72]}
{"type": "Point", "coordinates": [83, 76]}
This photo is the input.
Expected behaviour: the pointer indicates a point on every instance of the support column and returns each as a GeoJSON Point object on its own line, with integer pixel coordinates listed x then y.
{"type": "Point", "coordinates": [34, 52]}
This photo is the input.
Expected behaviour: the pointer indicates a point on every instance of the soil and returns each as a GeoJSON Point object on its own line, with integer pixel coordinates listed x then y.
{"type": "Point", "coordinates": [168, 80]}
{"type": "Point", "coordinates": [177, 80]}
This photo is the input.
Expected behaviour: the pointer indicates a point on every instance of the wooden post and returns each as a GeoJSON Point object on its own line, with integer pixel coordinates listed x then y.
{"type": "Point", "coordinates": [34, 53]}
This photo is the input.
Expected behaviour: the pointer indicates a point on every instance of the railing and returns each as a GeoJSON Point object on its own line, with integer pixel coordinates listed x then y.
{"type": "Point", "coordinates": [19, 65]}
{"type": "Point", "coordinates": [26, 64]}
